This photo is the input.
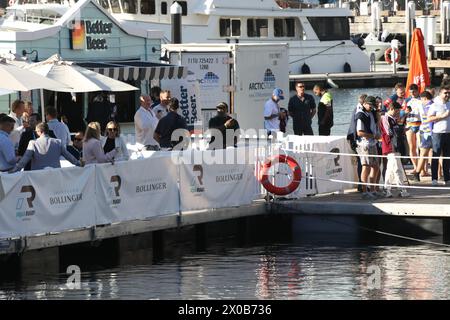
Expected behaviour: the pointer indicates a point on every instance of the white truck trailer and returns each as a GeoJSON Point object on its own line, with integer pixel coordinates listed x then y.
{"type": "Point", "coordinates": [242, 75]}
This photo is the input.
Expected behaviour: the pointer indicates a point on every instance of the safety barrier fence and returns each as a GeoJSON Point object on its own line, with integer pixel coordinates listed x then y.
{"type": "Point", "coordinates": [162, 183]}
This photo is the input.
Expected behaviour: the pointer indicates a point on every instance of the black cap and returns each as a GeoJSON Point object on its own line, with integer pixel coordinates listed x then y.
{"type": "Point", "coordinates": [371, 100]}
{"type": "Point", "coordinates": [222, 106]}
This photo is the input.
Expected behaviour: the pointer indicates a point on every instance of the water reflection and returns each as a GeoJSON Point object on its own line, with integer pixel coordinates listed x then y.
{"type": "Point", "coordinates": [275, 272]}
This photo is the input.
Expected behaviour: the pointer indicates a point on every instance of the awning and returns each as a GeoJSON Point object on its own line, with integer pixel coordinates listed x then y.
{"type": "Point", "coordinates": [136, 70]}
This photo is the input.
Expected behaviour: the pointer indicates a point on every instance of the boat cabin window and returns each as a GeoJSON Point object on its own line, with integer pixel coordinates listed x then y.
{"type": "Point", "coordinates": [284, 27]}
{"type": "Point", "coordinates": [148, 7]}
{"type": "Point", "coordinates": [129, 6]}
{"type": "Point", "coordinates": [164, 7]}
{"type": "Point", "coordinates": [184, 8]}
{"type": "Point", "coordinates": [330, 28]}
{"type": "Point", "coordinates": [230, 27]}
{"type": "Point", "coordinates": [115, 6]}
{"type": "Point", "coordinates": [257, 28]}
{"type": "Point", "coordinates": [104, 4]}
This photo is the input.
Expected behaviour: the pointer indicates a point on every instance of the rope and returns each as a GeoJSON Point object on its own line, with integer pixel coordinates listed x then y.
{"type": "Point", "coordinates": [366, 183]}
{"type": "Point", "coordinates": [370, 156]}
{"type": "Point", "coordinates": [380, 184]}
{"type": "Point", "coordinates": [382, 232]}
{"type": "Point", "coordinates": [317, 53]}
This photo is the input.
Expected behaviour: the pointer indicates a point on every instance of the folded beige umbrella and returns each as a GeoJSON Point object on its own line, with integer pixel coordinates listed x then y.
{"type": "Point", "coordinates": [77, 78]}
{"type": "Point", "coordinates": [14, 78]}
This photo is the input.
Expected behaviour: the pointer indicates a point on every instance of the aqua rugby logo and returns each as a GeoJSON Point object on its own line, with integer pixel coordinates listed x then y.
{"type": "Point", "coordinates": [197, 180]}
{"type": "Point", "coordinates": [114, 190]}
{"type": "Point", "coordinates": [24, 205]}
{"type": "Point", "coordinates": [268, 82]}
{"type": "Point", "coordinates": [333, 166]}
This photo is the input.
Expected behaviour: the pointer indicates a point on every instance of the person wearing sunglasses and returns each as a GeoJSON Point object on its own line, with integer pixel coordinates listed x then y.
{"type": "Point", "coordinates": [112, 140]}
{"type": "Point", "coordinates": [92, 146]}
{"type": "Point", "coordinates": [438, 114]}
{"type": "Point", "coordinates": [302, 109]}
{"type": "Point", "coordinates": [76, 148]}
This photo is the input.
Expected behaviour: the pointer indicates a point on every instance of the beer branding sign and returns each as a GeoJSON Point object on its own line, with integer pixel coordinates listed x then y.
{"type": "Point", "coordinates": [90, 35]}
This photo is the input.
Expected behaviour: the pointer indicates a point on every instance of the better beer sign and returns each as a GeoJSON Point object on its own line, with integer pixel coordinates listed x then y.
{"type": "Point", "coordinates": [88, 35]}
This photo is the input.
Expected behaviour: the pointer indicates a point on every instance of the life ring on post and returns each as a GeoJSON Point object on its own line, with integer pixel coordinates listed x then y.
{"type": "Point", "coordinates": [284, 4]}
{"type": "Point", "coordinates": [11, 2]}
{"type": "Point", "coordinates": [387, 55]}
{"type": "Point", "coordinates": [293, 165]}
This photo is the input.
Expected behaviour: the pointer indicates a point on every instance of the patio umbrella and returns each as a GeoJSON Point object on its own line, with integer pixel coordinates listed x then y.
{"type": "Point", "coordinates": [418, 69]}
{"type": "Point", "coordinates": [4, 92]}
{"type": "Point", "coordinates": [13, 78]}
{"type": "Point", "coordinates": [77, 78]}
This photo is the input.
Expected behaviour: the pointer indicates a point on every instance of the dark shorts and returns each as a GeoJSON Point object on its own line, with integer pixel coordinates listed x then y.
{"type": "Point", "coordinates": [426, 143]}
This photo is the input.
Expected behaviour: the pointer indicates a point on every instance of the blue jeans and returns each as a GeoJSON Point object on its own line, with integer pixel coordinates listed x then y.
{"type": "Point", "coordinates": [441, 146]}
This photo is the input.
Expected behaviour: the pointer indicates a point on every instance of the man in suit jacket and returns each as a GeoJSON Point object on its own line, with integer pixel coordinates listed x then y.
{"type": "Point", "coordinates": [44, 152]}
{"type": "Point", "coordinates": [30, 134]}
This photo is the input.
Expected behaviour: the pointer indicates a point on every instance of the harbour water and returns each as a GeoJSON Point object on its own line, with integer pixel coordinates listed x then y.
{"type": "Point", "coordinates": [331, 269]}
{"type": "Point", "coordinates": [272, 271]}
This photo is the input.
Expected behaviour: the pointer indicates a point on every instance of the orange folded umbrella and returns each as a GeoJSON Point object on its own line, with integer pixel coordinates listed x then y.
{"type": "Point", "coordinates": [418, 69]}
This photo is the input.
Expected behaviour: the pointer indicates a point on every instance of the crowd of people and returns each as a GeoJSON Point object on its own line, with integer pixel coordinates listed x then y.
{"type": "Point", "coordinates": [28, 143]}
{"type": "Point", "coordinates": [301, 108]}
{"type": "Point", "coordinates": [417, 127]}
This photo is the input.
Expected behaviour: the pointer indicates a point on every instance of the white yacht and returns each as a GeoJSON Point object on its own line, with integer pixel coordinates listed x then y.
{"type": "Point", "coordinates": [318, 37]}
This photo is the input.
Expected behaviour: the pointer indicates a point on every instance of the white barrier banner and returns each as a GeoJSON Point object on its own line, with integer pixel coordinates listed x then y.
{"type": "Point", "coordinates": [47, 201]}
{"type": "Point", "coordinates": [321, 166]}
{"type": "Point", "coordinates": [136, 189]}
{"type": "Point", "coordinates": [205, 184]}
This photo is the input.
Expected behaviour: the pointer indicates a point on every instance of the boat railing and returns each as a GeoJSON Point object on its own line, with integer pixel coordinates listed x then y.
{"type": "Point", "coordinates": [34, 18]}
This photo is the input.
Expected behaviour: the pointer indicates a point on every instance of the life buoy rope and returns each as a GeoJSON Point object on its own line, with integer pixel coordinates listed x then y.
{"type": "Point", "coordinates": [293, 165]}
{"type": "Point", "coordinates": [387, 55]}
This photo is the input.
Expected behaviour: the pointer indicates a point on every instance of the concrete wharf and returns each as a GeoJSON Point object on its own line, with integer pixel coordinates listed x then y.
{"type": "Point", "coordinates": [353, 79]}
{"type": "Point", "coordinates": [142, 240]}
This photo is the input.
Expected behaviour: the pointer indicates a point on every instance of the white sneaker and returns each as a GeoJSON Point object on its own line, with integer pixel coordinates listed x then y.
{"type": "Point", "coordinates": [434, 183]}
{"type": "Point", "coordinates": [404, 194]}
{"type": "Point", "coordinates": [388, 194]}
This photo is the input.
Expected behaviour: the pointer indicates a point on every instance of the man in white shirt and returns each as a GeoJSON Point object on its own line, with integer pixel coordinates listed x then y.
{"type": "Point", "coordinates": [145, 122]}
{"type": "Point", "coordinates": [17, 110]}
{"type": "Point", "coordinates": [59, 128]}
{"type": "Point", "coordinates": [439, 114]}
{"type": "Point", "coordinates": [162, 108]}
{"type": "Point", "coordinates": [272, 112]}
{"type": "Point", "coordinates": [7, 153]}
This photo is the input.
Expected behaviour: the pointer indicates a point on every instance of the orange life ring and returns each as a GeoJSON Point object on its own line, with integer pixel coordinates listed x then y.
{"type": "Point", "coordinates": [387, 55]}
{"type": "Point", "coordinates": [293, 165]}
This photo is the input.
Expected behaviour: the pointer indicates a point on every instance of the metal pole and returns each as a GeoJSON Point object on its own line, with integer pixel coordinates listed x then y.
{"type": "Point", "coordinates": [42, 105]}
{"type": "Point", "coordinates": [445, 21]}
{"type": "Point", "coordinates": [410, 16]}
{"type": "Point", "coordinates": [394, 46]}
{"type": "Point", "coordinates": [176, 11]}
{"type": "Point", "coordinates": [378, 6]}
{"type": "Point", "coordinates": [373, 18]}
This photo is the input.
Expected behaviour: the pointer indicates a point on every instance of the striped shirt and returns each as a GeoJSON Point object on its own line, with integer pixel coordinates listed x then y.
{"type": "Point", "coordinates": [423, 111]}
{"type": "Point", "coordinates": [413, 117]}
